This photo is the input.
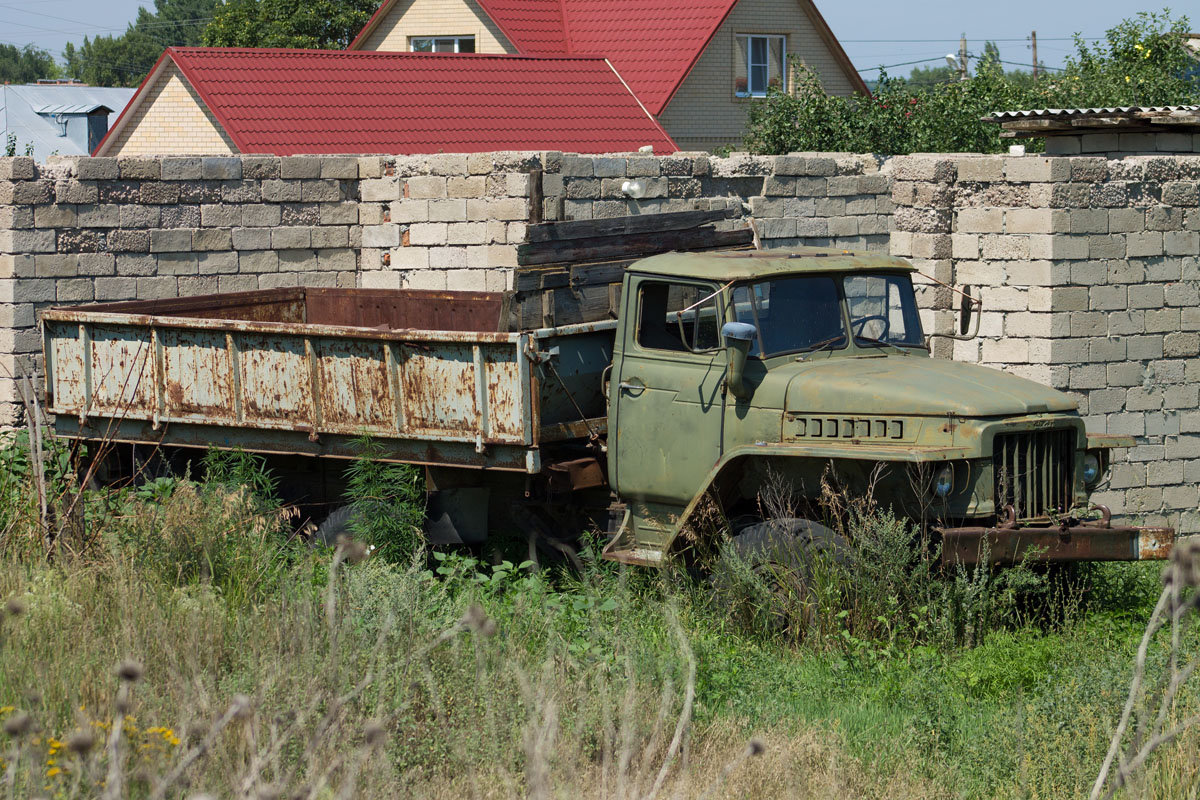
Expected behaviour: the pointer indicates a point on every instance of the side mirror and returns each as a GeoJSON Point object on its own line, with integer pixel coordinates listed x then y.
{"type": "Point", "coordinates": [738, 338]}
{"type": "Point", "coordinates": [969, 311]}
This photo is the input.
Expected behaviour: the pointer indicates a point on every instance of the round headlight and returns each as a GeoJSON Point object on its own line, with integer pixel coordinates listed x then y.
{"type": "Point", "coordinates": [1091, 468]}
{"type": "Point", "coordinates": [943, 481]}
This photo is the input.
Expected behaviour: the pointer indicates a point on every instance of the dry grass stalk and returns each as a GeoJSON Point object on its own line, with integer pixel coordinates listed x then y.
{"type": "Point", "coordinates": [1177, 605]}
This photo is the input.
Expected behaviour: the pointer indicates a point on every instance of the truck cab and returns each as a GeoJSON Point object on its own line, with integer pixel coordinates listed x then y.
{"type": "Point", "coordinates": [735, 370]}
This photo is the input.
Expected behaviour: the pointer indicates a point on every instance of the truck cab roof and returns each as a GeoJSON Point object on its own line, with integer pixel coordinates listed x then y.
{"type": "Point", "coordinates": [729, 265]}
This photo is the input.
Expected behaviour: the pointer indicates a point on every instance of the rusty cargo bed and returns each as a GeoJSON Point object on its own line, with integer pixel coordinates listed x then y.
{"type": "Point", "coordinates": [430, 375]}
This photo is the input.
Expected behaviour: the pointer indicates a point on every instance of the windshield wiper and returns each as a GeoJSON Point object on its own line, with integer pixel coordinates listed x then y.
{"type": "Point", "coordinates": [822, 345]}
{"type": "Point", "coordinates": [867, 340]}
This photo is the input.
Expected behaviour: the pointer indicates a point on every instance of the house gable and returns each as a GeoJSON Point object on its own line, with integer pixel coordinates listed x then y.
{"type": "Point", "coordinates": [389, 30]}
{"type": "Point", "coordinates": [170, 117]}
{"type": "Point", "coordinates": [704, 112]}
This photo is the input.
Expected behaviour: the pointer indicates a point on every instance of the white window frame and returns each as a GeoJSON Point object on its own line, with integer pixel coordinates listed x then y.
{"type": "Point", "coordinates": [458, 40]}
{"type": "Point", "coordinates": [750, 64]}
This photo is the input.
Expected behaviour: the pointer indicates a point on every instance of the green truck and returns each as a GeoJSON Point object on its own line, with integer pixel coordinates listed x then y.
{"type": "Point", "coordinates": [707, 377]}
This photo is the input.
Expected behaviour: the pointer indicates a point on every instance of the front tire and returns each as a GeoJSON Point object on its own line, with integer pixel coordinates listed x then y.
{"type": "Point", "coordinates": [776, 571]}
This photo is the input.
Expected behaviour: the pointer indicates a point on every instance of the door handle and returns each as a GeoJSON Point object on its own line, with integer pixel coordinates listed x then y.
{"type": "Point", "coordinates": [632, 387]}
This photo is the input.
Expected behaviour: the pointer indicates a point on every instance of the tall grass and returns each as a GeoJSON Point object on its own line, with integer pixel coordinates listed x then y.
{"type": "Point", "coordinates": [201, 648]}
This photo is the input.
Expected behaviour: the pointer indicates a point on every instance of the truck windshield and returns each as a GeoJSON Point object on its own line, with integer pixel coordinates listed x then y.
{"type": "Point", "coordinates": [883, 310]}
{"type": "Point", "coordinates": [793, 315]}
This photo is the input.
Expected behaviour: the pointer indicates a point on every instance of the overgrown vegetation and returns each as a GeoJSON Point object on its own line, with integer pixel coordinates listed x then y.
{"type": "Point", "coordinates": [1142, 61]}
{"type": "Point", "coordinates": [199, 646]}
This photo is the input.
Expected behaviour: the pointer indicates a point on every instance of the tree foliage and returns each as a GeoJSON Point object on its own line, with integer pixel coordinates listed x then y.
{"type": "Point", "coordinates": [1141, 61]}
{"type": "Point", "coordinates": [310, 24]}
{"type": "Point", "coordinates": [124, 60]}
{"type": "Point", "coordinates": [25, 64]}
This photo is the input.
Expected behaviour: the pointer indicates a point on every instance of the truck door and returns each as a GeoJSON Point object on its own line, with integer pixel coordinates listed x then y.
{"type": "Point", "coordinates": [668, 396]}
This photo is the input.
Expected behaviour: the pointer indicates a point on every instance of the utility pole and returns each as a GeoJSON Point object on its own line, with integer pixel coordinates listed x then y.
{"type": "Point", "coordinates": [1033, 37]}
{"type": "Point", "coordinates": [962, 57]}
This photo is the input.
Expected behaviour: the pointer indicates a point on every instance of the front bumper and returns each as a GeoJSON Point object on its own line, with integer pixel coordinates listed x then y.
{"type": "Point", "coordinates": [1070, 541]}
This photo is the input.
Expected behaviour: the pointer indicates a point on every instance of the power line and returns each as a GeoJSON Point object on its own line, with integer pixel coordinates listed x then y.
{"type": "Point", "coordinates": [901, 64]}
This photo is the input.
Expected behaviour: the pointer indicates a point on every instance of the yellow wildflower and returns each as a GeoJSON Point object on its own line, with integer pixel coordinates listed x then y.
{"type": "Point", "coordinates": [50, 773]}
{"type": "Point", "coordinates": [1127, 79]}
{"type": "Point", "coordinates": [7, 709]}
{"type": "Point", "coordinates": [1137, 47]}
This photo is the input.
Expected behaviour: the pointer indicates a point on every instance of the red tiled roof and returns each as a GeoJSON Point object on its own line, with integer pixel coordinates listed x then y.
{"type": "Point", "coordinates": [287, 102]}
{"type": "Point", "coordinates": [653, 44]}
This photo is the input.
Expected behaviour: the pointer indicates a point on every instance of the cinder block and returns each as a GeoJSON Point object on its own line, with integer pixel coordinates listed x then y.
{"type": "Point", "coordinates": [1037, 169]}
{"type": "Point", "coordinates": [324, 190]}
{"type": "Point", "coordinates": [299, 260]}
{"type": "Point", "coordinates": [216, 263]}
{"type": "Point", "coordinates": [339, 167]}
{"type": "Point", "coordinates": [1181, 243]}
{"type": "Point", "coordinates": [447, 210]}
{"type": "Point", "coordinates": [424, 187]}
{"type": "Point", "coordinates": [424, 279]}
{"type": "Point", "coordinates": [330, 237]}
{"type": "Point", "coordinates": [300, 167]}
{"type": "Point", "coordinates": [181, 169]}
{"type": "Point", "coordinates": [97, 169]}
{"type": "Point", "coordinates": [281, 191]}
{"type": "Point", "coordinates": [376, 190]}
{"type": "Point", "coordinates": [337, 259]}
{"type": "Point", "coordinates": [291, 238]}
{"type": "Point", "coordinates": [338, 213]}
{"type": "Point", "coordinates": [251, 239]}
{"type": "Point", "coordinates": [467, 233]}
{"type": "Point", "coordinates": [468, 186]}
{"type": "Point", "coordinates": [157, 288]}
{"type": "Point", "coordinates": [985, 169]}
{"type": "Point", "coordinates": [428, 234]}
{"type": "Point", "coordinates": [167, 241]}
{"type": "Point", "coordinates": [212, 239]}
{"type": "Point", "coordinates": [258, 261]}
{"type": "Point", "coordinates": [221, 168]}
{"type": "Point", "coordinates": [1036, 220]}
{"type": "Point", "coordinates": [1089, 220]}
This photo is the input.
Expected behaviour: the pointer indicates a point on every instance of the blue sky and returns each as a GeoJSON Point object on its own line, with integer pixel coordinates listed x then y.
{"type": "Point", "coordinates": [873, 32]}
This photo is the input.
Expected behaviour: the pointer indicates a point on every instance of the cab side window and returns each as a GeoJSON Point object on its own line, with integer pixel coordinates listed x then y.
{"type": "Point", "coordinates": [678, 317]}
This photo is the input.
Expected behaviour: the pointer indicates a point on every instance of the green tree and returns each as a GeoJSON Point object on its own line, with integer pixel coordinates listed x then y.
{"type": "Point", "coordinates": [124, 60]}
{"type": "Point", "coordinates": [1142, 61]}
{"type": "Point", "coordinates": [928, 77]}
{"type": "Point", "coordinates": [25, 64]}
{"type": "Point", "coordinates": [310, 24]}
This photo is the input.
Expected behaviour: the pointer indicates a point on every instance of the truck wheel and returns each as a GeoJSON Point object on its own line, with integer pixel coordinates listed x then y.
{"type": "Point", "coordinates": [790, 557]}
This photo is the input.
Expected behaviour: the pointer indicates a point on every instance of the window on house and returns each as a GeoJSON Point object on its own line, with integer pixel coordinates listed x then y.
{"type": "Point", "coordinates": [760, 64]}
{"type": "Point", "coordinates": [441, 44]}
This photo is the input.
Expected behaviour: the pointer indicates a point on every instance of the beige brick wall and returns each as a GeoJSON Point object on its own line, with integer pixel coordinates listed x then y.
{"type": "Point", "coordinates": [172, 119]}
{"type": "Point", "coordinates": [436, 18]}
{"type": "Point", "coordinates": [704, 113]}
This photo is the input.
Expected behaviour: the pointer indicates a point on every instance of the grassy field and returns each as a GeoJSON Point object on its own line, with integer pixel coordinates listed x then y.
{"type": "Point", "coordinates": [182, 642]}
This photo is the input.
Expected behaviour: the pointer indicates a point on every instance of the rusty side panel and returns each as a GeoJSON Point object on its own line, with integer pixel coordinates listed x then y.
{"type": "Point", "coordinates": [405, 309]}
{"type": "Point", "coordinates": [267, 380]}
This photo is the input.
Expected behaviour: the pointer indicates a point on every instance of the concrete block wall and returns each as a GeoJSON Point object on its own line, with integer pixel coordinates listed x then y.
{"type": "Point", "coordinates": [1089, 273]}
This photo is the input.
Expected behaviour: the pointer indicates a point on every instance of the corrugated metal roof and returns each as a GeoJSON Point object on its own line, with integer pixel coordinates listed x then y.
{"type": "Point", "coordinates": [71, 108]}
{"type": "Point", "coordinates": [1075, 113]}
{"type": "Point", "coordinates": [288, 102]}
{"type": "Point", "coordinates": [27, 111]}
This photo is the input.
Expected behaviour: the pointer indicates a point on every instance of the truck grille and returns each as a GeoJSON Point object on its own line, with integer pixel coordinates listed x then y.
{"type": "Point", "coordinates": [1033, 472]}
